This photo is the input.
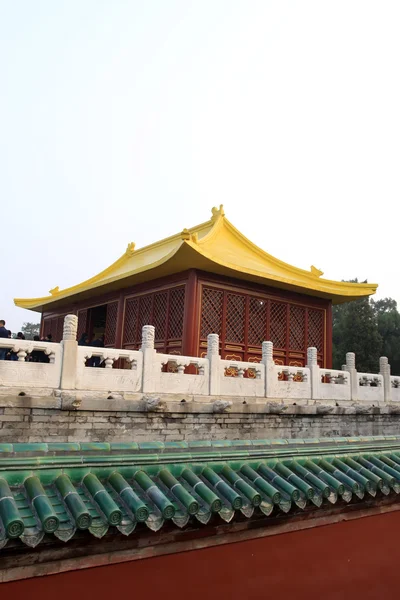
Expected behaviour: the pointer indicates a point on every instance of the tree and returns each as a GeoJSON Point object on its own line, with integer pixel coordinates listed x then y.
{"type": "Point", "coordinates": [388, 320]}
{"type": "Point", "coordinates": [355, 329]}
{"type": "Point", "coordinates": [30, 330]}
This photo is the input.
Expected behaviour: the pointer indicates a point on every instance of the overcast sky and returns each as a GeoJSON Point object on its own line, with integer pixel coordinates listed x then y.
{"type": "Point", "coordinates": [128, 120]}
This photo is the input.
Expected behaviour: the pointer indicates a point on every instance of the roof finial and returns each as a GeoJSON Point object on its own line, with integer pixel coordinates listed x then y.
{"type": "Point", "coordinates": [54, 291]}
{"type": "Point", "coordinates": [217, 212]}
{"type": "Point", "coordinates": [130, 249]}
{"type": "Point", "coordinates": [316, 272]}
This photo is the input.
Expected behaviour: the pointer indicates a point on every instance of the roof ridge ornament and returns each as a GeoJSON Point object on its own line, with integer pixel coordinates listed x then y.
{"type": "Point", "coordinates": [316, 272]}
{"type": "Point", "coordinates": [185, 234]}
{"type": "Point", "coordinates": [130, 249]}
{"type": "Point", "coordinates": [54, 291]}
{"type": "Point", "coordinates": [188, 236]}
{"type": "Point", "coordinates": [217, 212]}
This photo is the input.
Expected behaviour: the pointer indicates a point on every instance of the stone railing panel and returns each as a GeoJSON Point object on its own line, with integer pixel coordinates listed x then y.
{"type": "Point", "coordinates": [334, 385]}
{"type": "Point", "coordinates": [395, 384]}
{"type": "Point", "coordinates": [175, 380]}
{"type": "Point", "coordinates": [241, 378]}
{"type": "Point", "coordinates": [370, 387]}
{"type": "Point", "coordinates": [25, 373]}
{"type": "Point", "coordinates": [107, 378]}
{"type": "Point", "coordinates": [289, 382]}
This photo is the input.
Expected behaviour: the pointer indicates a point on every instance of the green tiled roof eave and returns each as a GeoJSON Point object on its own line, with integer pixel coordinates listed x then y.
{"type": "Point", "coordinates": [57, 489]}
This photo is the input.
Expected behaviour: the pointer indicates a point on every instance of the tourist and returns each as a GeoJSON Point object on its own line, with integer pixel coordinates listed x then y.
{"type": "Point", "coordinates": [83, 340]}
{"type": "Point", "coordinates": [98, 342]}
{"type": "Point", "coordinates": [20, 335]}
{"type": "Point", "coordinates": [38, 355]}
{"type": "Point", "coordinates": [10, 354]}
{"type": "Point", "coordinates": [3, 334]}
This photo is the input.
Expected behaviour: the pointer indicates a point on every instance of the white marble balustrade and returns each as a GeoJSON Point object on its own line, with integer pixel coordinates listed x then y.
{"type": "Point", "coordinates": [289, 382]}
{"type": "Point", "coordinates": [334, 384]}
{"type": "Point", "coordinates": [127, 379]}
{"type": "Point", "coordinates": [148, 372]}
{"type": "Point", "coordinates": [241, 378]}
{"type": "Point", "coordinates": [24, 373]}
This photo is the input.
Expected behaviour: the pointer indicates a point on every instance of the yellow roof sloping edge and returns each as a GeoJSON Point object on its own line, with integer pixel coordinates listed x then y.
{"type": "Point", "coordinates": [228, 247]}
{"type": "Point", "coordinates": [219, 243]}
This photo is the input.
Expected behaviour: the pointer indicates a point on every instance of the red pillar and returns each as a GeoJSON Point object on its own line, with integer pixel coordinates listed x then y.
{"type": "Point", "coordinates": [120, 320]}
{"type": "Point", "coordinates": [328, 337]}
{"type": "Point", "coordinates": [190, 317]}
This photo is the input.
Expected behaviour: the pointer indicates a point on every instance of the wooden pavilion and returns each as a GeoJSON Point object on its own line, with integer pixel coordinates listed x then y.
{"type": "Point", "coordinates": [207, 279]}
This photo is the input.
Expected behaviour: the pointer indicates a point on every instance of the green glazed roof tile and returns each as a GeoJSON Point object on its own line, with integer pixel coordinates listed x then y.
{"type": "Point", "coordinates": [63, 447]}
{"type": "Point", "coordinates": [124, 446]}
{"type": "Point", "coordinates": [92, 487]}
{"type": "Point", "coordinates": [95, 446]}
{"type": "Point", "coordinates": [200, 444]}
{"type": "Point", "coordinates": [30, 447]}
{"type": "Point", "coordinates": [151, 445]}
{"type": "Point", "coordinates": [6, 448]}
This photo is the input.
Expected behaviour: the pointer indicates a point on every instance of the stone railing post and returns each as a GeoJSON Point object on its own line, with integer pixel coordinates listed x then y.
{"type": "Point", "coordinates": [69, 353]}
{"type": "Point", "coordinates": [147, 348]}
{"type": "Point", "coordinates": [384, 370]}
{"type": "Point", "coordinates": [351, 369]}
{"type": "Point", "coordinates": [214, 360]}
{"type": "Point", "coordinates": [268, 362]}
{"type": "Point", "coordinates": [315, 376]}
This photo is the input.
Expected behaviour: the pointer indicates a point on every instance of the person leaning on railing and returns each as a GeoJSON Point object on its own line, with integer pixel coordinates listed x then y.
{"type": "Point", "coordinates": [3, 334]}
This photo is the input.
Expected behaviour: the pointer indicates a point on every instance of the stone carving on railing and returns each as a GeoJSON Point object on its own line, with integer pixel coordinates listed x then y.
{"type": "Point", "coordinates": [366, 379]}
{"type": "Point", "coordinates": [148, 334]}
{"type": "Point", "coordinates": [70, 327]}
{"type": "Point", "coordinates": [213, 344]}
{"type": "Point", "coordinates": [292, 374]}
{"type": "Point", "coordinates": [143, 371]}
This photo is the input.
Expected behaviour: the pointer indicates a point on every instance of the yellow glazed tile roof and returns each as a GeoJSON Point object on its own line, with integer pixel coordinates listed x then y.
{"type": "Point", "coordinates": [215, 246]}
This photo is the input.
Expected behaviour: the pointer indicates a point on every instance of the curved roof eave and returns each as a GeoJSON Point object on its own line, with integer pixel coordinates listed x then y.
{"type": "Point", "coordinates": [216, 246]}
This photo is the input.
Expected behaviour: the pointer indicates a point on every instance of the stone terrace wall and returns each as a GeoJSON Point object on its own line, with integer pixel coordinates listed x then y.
{"type": "Point", "coordinates": [48, 425]}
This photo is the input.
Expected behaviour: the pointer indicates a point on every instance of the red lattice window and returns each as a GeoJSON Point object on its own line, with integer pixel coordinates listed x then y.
{"type": "Point", "coordinates": [278, 324]}
{"type": "Point", "coordinates": [315, 336]}
{"type": "Point", "coordinates": [297, 328]}
{"type": "Point", "coordinates": [145, 316]}
{"type": "Point", "coordinates": [131, 318]}
{"type": "Point", "coordinates": [162, 309]}
{"type": "Point", "coordinates": [54, 326]}
{"type": "Point", "coordinates": [257, 321]}
{"type": "Point", "coordinates": [160, 315]}
{"type": "Point", "coordinates": [211, 312]}
{"type": "Point", "coordinates": [59, 330]}
{"type": "Point", "coordinates": [111, 324]}
{"type": "Point", "coordinates": [176, 310]}
{"type": "Point", "coordinates": [82, 323]}
{"type": "Point", "coordinates": [46, 327]}
{"type": "Point", "coordinates": [235, 318]}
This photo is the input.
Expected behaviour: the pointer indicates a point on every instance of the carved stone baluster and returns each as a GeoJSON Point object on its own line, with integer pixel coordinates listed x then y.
{"type": "Point", "coordinates": [21, 353]}
{"type": "Point", "coordinates": [108, 361]}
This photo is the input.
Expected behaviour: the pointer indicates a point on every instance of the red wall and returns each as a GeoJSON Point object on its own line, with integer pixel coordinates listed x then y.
{"type": "Point", "coordinates": [350, 560]}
